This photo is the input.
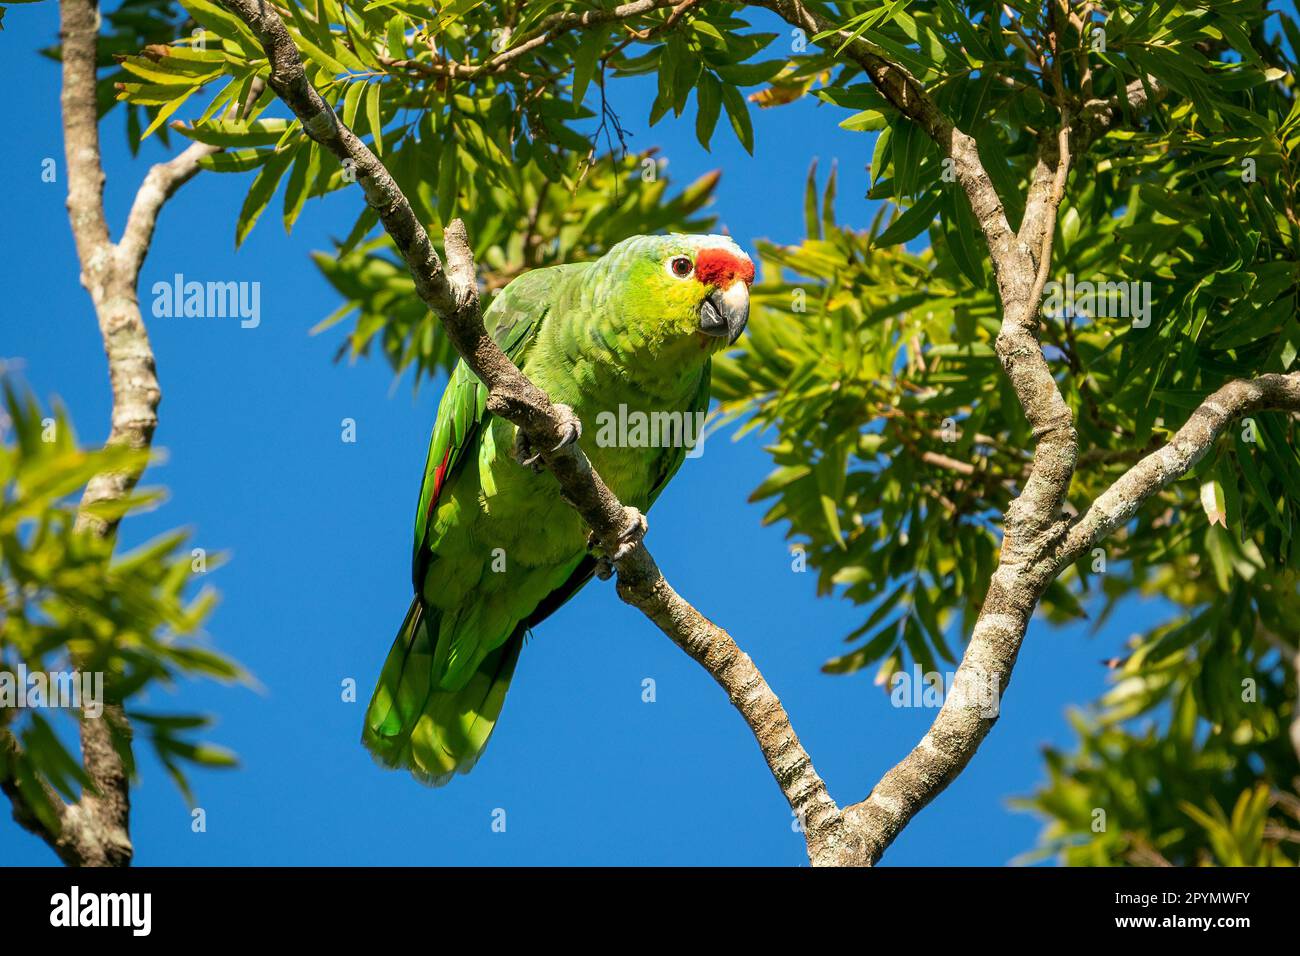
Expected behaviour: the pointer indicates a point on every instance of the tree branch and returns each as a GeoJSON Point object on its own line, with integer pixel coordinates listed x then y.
{"type": "Point", "coordinates": [1101, 115]}
{"type": "Point", "coordinates": [549, 28]}
{"type": "Point", "coordinates": [161, 182]}
{"type": "Point", "coordinates": [452, 295]}
{"type": "Point", "coordinates": [1031, 555]}
{"type": "Point", "coordinates": [78, 27]}
{"type": "Point", "coordinates": [1032, 521]}
{"type": "Point", "coordinates": [1118, 503]}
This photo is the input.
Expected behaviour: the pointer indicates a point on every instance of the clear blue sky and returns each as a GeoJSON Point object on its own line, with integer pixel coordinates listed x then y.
{"type": "Point", "coordinates": [318, 532]}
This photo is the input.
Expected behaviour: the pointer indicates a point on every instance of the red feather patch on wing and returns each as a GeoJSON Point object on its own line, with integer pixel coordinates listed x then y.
{"type": "Point", "coordinates": [439, 475]}
{"type": "Point", "coordinates": [719, 267]}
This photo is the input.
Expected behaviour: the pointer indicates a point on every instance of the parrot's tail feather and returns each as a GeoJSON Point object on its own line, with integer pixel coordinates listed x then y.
{"type": "Point", "coordinates": [416, 725]}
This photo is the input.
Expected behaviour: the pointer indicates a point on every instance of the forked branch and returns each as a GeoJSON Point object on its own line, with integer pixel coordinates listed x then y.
{"type": "Point", "coordinates": [452, 295]}
{"type": "Point", "coordinates": [1037, 544]}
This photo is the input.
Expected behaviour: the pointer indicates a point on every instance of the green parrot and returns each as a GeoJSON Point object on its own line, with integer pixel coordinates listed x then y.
{"type": "Point", "coordinates": [621, 341]}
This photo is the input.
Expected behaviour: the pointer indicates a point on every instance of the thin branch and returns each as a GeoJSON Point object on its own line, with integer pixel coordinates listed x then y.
{"type": "Point", "coordinates": [557, 23]}
{"type": "Point", "coordinates": [643, 36]}
{"type": "Point", "coordinates": [1102, 115]}
{"type": "Point", "coordinates": [952, 464]}
{"type": "Point", "coordinates": [452, 295]}
{"type": "Point", "coordinates": [545, 32]}
{"type": "Point", "coordinates": [1118, 503]}
{"type": "Point", "coordinates": [159, 185]}
{"type": "Point", "coordinates": [78, 27]}
{"type": "Point", "coordinates": [96, 830]}
{"type": "Point", "coordinates": [161, 182]}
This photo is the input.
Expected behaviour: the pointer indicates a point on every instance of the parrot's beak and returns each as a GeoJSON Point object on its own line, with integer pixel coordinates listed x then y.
{"type": "Point", "coordinates": [725, 313]}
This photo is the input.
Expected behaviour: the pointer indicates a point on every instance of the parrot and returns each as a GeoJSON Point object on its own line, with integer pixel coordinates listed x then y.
{"type": "Point", "coordinates": [496, 549]}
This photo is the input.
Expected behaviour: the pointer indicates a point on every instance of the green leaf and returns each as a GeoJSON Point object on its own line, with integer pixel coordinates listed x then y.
{"type": "Point", "coordinates": [352, 103]}
{"type": "Point", "coordinates": [708, 103]}
{"type": "Point", "coordinates": [913, 221]}
{"type": "Point", "coordinates": [865, 120]}
{"type": "Point", "coordinates": [964, 241]}
{"type": "Point", "coordinates": [738, 113]}
{"type": "Point", "coordinates": [584, 64]}
{"type": "Point", "coordinates": [235, 161]}
{"type": "Point", "coordinates": [238, 134]}
{"type": "Point", "coordinates": [260, 193]}
{"type": "Point", "coordinates": [306, 167]}
{"type": "Point", "coordinates": [374, 117]}
{"type": "Point", "coordinates": [165, 112]}
{"type": "Point", "coordinates": [812, 221]}
{"type": "Point", "coordinates": [222, 23]}
{"type": "Point", "coordinates": [448, 179]}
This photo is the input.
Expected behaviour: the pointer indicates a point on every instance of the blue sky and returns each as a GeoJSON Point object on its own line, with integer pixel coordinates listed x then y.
{"type": "Point", "coordinates": [318, 533]}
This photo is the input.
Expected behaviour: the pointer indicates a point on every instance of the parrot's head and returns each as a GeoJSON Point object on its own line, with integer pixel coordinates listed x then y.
{"type": "Point", "coordinates": [681, 288]}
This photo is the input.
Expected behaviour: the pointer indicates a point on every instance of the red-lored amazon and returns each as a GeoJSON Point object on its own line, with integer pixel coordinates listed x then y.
{"type": "Point", "coordinates": [627, 338]}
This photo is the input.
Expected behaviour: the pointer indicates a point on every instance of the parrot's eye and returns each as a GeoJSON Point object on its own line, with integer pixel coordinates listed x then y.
{"type": "Point", "coordinates": [681, 266]}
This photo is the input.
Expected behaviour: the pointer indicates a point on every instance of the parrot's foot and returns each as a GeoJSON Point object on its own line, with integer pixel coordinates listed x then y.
{"type": "Point", "coordinates": [570, 431]}
{"type": "Point", "coordinates": [631, 535]}
{"type": "Point", "coordinates": [570, 426]}
{"type": "Point", "coordinates": [523, 453]}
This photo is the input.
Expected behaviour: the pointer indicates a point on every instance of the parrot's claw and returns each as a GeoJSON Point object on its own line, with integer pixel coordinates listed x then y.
{"type": "Point", "coordinates": [570, 427]}
{"type": "Point", "coordinates": [631, 535]}
{"type": "Point", "coordinates": [524, 454]}
{"type": "Point", "coordinates": [604, 566]}
{"type": "Point", "coordinates": [570, 431]}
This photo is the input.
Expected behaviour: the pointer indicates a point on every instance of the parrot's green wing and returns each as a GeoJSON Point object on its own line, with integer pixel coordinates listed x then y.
{"type": "Point", "coordinates": [512, 320]}
{"type": "Point", "coordinates": [411, 721]}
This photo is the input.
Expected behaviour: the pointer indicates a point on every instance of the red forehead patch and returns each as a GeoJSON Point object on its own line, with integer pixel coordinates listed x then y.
{"type": "Point", "coordinates": [719, 267]}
